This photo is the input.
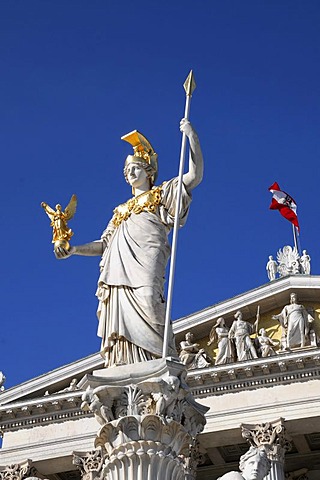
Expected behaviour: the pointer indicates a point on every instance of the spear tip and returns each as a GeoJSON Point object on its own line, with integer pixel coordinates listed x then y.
{"type": "Point", "coordinates": [190, 84]}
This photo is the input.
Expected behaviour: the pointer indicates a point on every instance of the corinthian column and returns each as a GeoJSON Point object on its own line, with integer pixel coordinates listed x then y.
{"type": "Point", "coordinates": [273, 438]}
{"type": "Point", "coordinates": [149, 420]}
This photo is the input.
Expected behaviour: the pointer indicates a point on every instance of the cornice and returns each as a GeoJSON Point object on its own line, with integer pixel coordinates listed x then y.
{"type": "Point", "coordinates": [41, 411]}
{"type": "Point", "coordinates": [55, 379]}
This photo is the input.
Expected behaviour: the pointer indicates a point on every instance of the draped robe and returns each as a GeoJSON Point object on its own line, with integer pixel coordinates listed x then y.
{"type": "Point", "coordinates": [131, 308]}
{"type": "Point", "coordinates": [296, 321]}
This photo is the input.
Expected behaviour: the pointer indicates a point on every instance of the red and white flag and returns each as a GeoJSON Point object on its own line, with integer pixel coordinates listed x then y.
{"type": "Point", "coordinates": [285, 204]}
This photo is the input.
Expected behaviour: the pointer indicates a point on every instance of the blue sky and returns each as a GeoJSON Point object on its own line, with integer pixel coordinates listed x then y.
{"type": "Point", "coordinates": [76, 76]}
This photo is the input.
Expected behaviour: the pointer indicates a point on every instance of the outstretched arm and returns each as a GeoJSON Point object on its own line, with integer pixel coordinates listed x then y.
{"type": "Point", "coordinates": [88, 249]}
{"type": "Point", "coordinates": [193, 177]}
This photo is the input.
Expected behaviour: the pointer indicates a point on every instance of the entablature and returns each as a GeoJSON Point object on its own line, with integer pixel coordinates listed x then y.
{"type": "Point", "coordinates": [41, 411]}
{"type": "Point", "coordinates": [285, 368]}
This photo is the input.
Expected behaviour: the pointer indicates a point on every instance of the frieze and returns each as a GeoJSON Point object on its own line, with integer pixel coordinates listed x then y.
{"type": "Point", "coordinates": [258, 373]}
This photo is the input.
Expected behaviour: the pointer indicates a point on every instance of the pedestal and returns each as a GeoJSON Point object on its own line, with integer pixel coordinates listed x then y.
{"type": "Point", "coordinates": [149, 420]}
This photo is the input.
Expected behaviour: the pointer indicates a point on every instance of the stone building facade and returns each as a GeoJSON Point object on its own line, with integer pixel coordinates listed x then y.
{"type": "Point", "coordinates": [270, 400]}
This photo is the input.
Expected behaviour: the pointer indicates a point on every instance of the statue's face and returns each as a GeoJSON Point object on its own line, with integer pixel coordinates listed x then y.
{"type": "Point", "coordinates": [254, 469]}
{"type": "Point", "coordinates": [222, 323]}
{"type": "Point", "coordinates": [136, 175]}
{"type": "Point", "coordinates": [293, 298]}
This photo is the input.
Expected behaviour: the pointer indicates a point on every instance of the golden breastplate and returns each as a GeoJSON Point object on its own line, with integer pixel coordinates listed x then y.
{"type": "Point", "coordinates": [147, 202]}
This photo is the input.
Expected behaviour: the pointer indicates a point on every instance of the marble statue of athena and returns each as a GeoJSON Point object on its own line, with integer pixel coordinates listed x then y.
{"type": "Point", "coordinates": [134, 252]}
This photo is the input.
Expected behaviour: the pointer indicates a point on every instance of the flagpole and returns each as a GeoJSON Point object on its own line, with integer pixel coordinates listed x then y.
{"type": "Point", "coordinates": [189, 86]}
{"type": "Point", "coordinates": [294, 230]}
{"type": "Point", "coordinates": [298, 241]}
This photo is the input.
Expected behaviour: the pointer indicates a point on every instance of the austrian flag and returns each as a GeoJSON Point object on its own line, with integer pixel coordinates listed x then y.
{"type": "Point", "coordinates": [285, 204]}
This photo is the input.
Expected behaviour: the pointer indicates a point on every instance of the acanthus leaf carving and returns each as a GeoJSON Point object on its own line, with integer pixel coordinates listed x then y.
{"type": "Point", "coordinates": [89, 463]}
{"type": "Point", "coordinates": [18, 471]}
{"type": "Point", "coordinates": [271, 435]}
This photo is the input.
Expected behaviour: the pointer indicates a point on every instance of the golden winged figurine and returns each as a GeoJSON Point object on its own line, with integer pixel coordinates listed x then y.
{"type": "Point", "coordinates": [61, 233]}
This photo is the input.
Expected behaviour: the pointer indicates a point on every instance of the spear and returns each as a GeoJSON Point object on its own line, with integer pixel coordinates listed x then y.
{"type": "Point", "coordinates": [257, 320]}
{"type": "Point", "coordinates": [189, 86]}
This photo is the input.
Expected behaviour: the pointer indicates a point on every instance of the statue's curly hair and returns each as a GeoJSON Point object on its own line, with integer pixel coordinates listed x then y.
{"type": "Point", "coordinates": [253, 451]}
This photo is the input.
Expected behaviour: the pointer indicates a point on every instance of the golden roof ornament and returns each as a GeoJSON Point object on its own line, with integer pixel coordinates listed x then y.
{"type": "Point", "coordinates": [142, 151]}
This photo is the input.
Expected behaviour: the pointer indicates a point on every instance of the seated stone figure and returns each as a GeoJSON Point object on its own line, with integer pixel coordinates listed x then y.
{"type": "Point", "coordinates": [191, 355]}
{"type": "Point", "coordinates": [253, 465]}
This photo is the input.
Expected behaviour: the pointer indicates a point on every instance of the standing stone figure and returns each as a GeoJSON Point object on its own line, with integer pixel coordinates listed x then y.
{"type": "Point", "coordinates": [272, 268]}
{"type": "Point", "coordinates": [191, 355]}
{"type": "Point", "coordinates": [240, 331]}
{"type": "Point", "coordinates": [295, 322]}
{"type": "Point", "coordinates": [305, 261]}
{"type": "Point", "coordinates": [220, 333]}
{"type": "Point", "coordinates": [265, 344]}
{"type": "Point", "coordinates": [254, 465]}
{"type": "Point", "coordinates": [2, 381]}
{"type": "Point", "coordinates": [135, 250]}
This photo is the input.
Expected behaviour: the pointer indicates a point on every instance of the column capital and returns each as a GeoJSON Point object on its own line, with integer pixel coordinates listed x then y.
{"type": "Point", "coordinates": [270, 435]}
{"type": "Point", "coordinates": [18, 471]}
{"type": "Point", "coordinates": [89, 463]}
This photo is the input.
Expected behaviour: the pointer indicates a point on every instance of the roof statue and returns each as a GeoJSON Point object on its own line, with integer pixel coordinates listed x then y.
{"type": "Point", "coordinates": [272, 268]}
{"type": "Point", "coordinates": [305, 263]}
{"type": "Point", "coordinates": [289, 262]}
{"type": "Point", "coordinates": [2, 381]}
{"type": "Point", "coordinates": [134, 252]}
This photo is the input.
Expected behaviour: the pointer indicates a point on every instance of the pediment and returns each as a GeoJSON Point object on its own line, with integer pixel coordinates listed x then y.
{"type": "Point", "coordinates": [270, 297]}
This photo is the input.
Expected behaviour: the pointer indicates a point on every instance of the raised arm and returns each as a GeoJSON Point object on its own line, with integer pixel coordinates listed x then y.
{"type": "Point", "coordinates": [193, 177]}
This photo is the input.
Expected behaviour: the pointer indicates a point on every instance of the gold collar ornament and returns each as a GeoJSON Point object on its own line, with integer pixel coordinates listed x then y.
{"type": "Point", "coordinates": [145, 202]}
